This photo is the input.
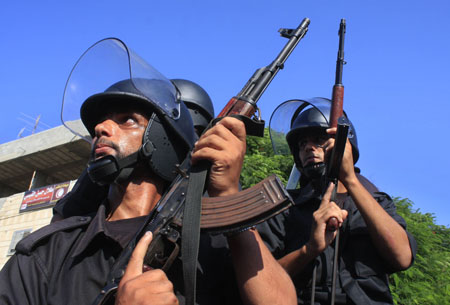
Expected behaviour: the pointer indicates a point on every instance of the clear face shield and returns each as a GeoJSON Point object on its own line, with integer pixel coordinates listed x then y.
{"type": "Point", "coordinates": [105, 63]}
{"type": "Point", "coordinates": [280, 124]}
{"type": "Point", "coordinates": [283, 116]}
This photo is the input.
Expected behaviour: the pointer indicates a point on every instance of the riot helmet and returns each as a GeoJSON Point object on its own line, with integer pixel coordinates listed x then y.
{"type": "Point", "coordinates": [308, 119]}
{"type": "Point", "coordinates": [197, 101]}
{"type": "Point", "coordinates": [110, 75]}
{"type": "Point", "coordinates": [166, 141]}
{"type": "Point", "coordinates": [294, 118]}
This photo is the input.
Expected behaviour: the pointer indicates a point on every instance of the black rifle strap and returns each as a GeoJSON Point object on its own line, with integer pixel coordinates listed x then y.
{"type": "Point", "coordinates": [190, 233]}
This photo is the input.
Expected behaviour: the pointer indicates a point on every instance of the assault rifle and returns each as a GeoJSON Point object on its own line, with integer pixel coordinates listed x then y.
{"type": "Point", "coordinates": [337, 119]}
{"type": "Point", "coordinates": [180, 208]}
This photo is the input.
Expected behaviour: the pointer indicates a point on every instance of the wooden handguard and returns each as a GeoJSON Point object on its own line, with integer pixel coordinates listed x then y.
{"type": "Point", "coordinates": [238, 106]}
{"type": "Point", "coordinates": [246, 208]}
{"type": "Point", "coordinates": [337, 106]}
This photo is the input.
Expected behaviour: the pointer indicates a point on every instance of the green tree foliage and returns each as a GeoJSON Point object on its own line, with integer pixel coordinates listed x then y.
{"type": "Point", "coordinates": [260, 162]}
{"type": "Point", "coordinates": [427, 281]}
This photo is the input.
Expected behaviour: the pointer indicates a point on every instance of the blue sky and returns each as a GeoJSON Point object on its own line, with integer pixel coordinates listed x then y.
{"type": "Point", "coordinates": [396, 80]}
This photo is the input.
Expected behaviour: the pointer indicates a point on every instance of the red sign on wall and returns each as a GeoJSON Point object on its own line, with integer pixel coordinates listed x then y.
{"type": "Point", "coordinates": [44, 196]}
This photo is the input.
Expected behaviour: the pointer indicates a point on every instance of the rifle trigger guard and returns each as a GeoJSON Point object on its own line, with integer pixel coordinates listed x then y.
{"type": "Point", "coordinates": [166, 241]}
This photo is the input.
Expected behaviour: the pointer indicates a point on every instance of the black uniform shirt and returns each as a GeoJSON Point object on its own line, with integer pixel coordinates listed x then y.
{"type": "Point", "coordinates": [68, 262]}
{"type": "Point", "coordinates": [363, 273]}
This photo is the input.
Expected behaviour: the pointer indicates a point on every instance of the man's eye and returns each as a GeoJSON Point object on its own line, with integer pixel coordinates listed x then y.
{"type": "Point", "coordinates": [128, 120]}
{"type": "Point", "coordinates": [320, 140]}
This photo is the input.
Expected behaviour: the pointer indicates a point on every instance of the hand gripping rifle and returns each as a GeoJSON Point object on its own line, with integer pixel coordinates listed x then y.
{"type": "Point", "coordinates": [176, 219]}
{"type": "Point", "coordinates": [337, 119]}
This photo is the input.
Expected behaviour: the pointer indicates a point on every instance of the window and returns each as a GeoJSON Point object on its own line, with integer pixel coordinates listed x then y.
{"type": "Point", "coordinates": [17, 236]}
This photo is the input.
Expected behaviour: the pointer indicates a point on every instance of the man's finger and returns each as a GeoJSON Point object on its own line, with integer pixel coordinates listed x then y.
{"type": "Point", "coordinates": [236, 127]}
{"type": "Point", "coordinates": [134, 267]}
{"type": "Point", "coordinates": [214, 141]}
{"type": "Point", "coordinates": [331, 131]}
{"type": "Point", "coordinates": [327, 196]}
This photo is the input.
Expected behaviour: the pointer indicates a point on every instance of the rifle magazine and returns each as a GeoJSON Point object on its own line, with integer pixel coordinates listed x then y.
{"type": "Point", "coordinates": [246, 208]}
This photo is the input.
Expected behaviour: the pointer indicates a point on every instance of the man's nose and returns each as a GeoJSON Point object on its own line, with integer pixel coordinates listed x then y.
{"type": "Point", "coordinates": [310, 144]}
{"type": "Point", "coordinates": [104, 128]}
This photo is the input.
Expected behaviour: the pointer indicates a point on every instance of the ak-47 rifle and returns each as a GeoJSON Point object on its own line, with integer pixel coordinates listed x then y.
{"type": "Point", "coordinates": [218, 215]}
{"type": "Point", "coordinates": [337, 119]}
{"type": "Point", "coordinates": [245, 102]}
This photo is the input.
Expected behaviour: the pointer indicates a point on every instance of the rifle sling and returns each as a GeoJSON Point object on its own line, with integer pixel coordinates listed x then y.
{"type": "Point", "coordinates": [190, 232]}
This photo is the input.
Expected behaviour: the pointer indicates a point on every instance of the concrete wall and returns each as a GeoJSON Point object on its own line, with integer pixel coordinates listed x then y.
{"type": "Point", "coordinates": [11, 220]}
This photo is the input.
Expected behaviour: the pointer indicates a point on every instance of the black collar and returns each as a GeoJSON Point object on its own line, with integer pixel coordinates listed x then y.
{"type": "Point", "coordinates": [96, 227]}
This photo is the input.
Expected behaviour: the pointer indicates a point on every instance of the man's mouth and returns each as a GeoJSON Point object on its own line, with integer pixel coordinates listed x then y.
{"type": "Point", "coordinates": [311, 160]}
{"type": "Point", "coordinates": [102, 148]}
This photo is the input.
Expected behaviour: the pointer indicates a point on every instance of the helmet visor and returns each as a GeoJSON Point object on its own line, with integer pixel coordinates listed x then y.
{"type": "Point", "coordinates": [285, 114]}
{"type": "Point", "coordinates": [107, 62]}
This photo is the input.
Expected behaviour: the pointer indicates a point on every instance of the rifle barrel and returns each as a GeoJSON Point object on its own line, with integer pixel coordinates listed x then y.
{"type": "Point", "coordinates": [278, 63]}
{"type": "Point", "coordinates": [338, 88]}
{"type": "Point", "coordinates": [244, 103]}
{"type": "Point", "coordinates": [340, 57]}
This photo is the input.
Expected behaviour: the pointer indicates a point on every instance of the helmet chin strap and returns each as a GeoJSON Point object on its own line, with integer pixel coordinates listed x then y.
{"type": "Point", "coordinates": [314, 171]}
{"type": "Point", "coordinates": [109, 169]}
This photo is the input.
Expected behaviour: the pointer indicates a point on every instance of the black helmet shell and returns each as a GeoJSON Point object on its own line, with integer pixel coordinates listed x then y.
{"type": "Point", "coordinates": [310, 119]}
{"type": "Point", "coordinates": [197, 101]}
{"type": "Point", "coordinates": [170, 139]}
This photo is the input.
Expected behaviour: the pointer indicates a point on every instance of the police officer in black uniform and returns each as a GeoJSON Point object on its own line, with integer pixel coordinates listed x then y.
{"type": "Point", "coordinates": [87, 195]}
{"type": "Point", "coordinates": [373, 240]}
{"type": "Point", "coordinates": [141, 133]}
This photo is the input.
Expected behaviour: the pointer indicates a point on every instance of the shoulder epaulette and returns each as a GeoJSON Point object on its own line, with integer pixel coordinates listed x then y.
{"type": "Point", "coordinates": [26, 244]}
{"type": "Point", "coordinates": [380, 196]}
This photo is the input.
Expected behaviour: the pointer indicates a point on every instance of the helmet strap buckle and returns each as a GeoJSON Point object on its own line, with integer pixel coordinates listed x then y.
{"type": "Point", "coordinates": [146, 150]}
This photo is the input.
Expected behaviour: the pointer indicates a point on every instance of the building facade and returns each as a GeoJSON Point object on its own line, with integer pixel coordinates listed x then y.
{"type": "Point", "coordinates": [35, 172]}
